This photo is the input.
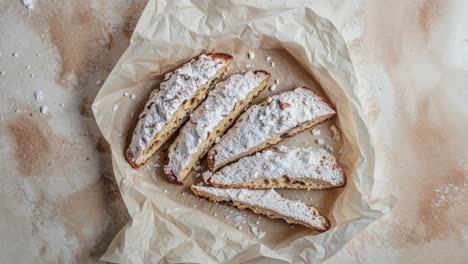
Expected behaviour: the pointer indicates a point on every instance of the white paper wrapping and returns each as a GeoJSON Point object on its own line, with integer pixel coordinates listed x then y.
{"type": "Point", "coordinates": [170, 225]}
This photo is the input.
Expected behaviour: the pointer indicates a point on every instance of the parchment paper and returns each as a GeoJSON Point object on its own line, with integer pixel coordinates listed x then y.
{"type": "Point", "coordinates": [169, 224]}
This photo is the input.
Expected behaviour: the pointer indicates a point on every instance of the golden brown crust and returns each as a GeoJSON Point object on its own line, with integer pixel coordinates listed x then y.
{"type": "Point", "coordinates": [223, 56]}
{"type": "Point", "coordinates": [128, 157]}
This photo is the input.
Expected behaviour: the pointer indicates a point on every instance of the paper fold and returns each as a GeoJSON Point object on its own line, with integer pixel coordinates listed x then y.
{"type": "Point", "coordinates": [168, 223]}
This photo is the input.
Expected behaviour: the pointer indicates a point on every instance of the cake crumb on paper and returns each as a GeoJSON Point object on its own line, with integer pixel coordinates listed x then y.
{"type": "Point", "coordinates": [320, 141]}
{"type": "Point", "coordinates": [273, 87]}
{"type": "Point", "coordinates": [315, 132]}
{"type": "Point", "coordinates": [267, 58]}
{"type": "Point", "coordinates": [251, 55]}
{"type": "Point", "coordinates": [335, 133]}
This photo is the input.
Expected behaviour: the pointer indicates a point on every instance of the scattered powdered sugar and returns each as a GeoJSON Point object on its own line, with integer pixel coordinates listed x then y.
{"type": "Point", "coordinates": [173, 92]}
{"type": "Point", "coordinates": [335, 133]}
{"type": "Point", "coordinates": [268, 200]}
{"type": "Point", "coordinates": [43, 109]}
{"type": "Point", "coordinates": [251, 55]}
{"type": "Point", "coordinates": [320, 141]}
{"type": "Point", "coordinates": [38, 96]}
{"type": "Point", "coordinates": [447, 194]}
{"type": "Point", "coordinates": [315, 132]}
{"type": "Point", "coordinates": [262, 122]}
{"type": "Point", "coordinates": [274, 163]}
{"type": "Point", "coordinates": [218, 107]}
{"type": "Point", "coordinates": [235, 217]}
{"type": "Point", "coordinates": [29, 4]}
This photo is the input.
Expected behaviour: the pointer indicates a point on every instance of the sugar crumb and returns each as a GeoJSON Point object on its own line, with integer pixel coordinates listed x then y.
{"type": "Point", "coordinates": [335, 133]}
{"type": "Point", "coordinates": [38, 95]}
{"type": "Point", "coordinates": [257, 233]}
{"type": "Point", "coordinates": [315, 132]}
{"type": "Point", "coordinates": [43, 109]}
{"type": "Point", "coordinates": [273, 87]}
{"type": "Point", "coordinates": [320, 141]}
{"type": "Point", "coordinates": [251, 54]}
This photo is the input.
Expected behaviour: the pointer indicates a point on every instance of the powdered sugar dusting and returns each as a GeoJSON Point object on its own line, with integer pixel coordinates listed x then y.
{"type": "Point", "coordinates": [262, 122]}
{"type": "Point", "coordinates": [257, 233]}
{"type": "Point", "coordinates": [279, 161]}
{"type": "Point", "coordinates": [220, 103]}
{"type": "Point", "coordinates": [179, 86]}
{"type": "Point", "coordinates": [447, 193]}
{"type": "Point", "coordinates": [269, 200]}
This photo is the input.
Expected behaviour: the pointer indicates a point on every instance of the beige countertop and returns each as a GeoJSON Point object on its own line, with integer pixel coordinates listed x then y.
{"type": "Point", "coordinates": [59, 200]}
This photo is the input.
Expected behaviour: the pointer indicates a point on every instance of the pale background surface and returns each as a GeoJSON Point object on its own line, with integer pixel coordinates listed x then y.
{"type": "Point", "coordinates": [58, 198]}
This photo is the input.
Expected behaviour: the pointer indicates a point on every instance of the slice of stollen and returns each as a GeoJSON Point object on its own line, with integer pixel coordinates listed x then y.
{"type": "Point", "coordinates": [211, 119]}
{"type": "Point", "coordinates": [266, 124]}
{"type": "Point", "coordinates": [269, 203]}
{"type": "Point", "coordinates": [169, 107]}
{"type": "Point", "coordinates": [281, 167]}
